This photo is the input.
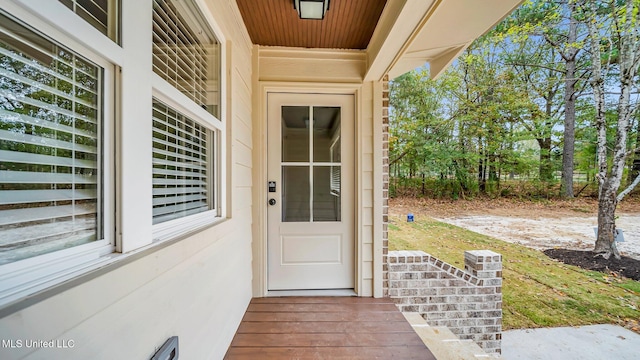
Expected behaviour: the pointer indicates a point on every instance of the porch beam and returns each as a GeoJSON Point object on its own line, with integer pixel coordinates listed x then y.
{"type": "Point", "coordinates": [411, 33]}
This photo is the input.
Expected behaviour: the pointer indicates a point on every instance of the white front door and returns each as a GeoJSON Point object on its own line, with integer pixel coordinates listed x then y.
{"type": "Point", "coordinates": [310, 191]}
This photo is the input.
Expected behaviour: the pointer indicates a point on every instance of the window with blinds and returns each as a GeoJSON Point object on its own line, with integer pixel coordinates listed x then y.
{"type": "Point", "coordinates": [186, 53]}
{"type": "Point", "coordinates": [182, 165]}
{"type": "Point", "coordinates": [101, 14]}
{"type": "Point", "coordinates": [50, 145]}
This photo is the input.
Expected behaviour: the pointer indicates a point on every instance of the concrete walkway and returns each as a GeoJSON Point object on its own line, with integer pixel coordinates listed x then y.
{"type": "Point", "coordinates": [595, 342]}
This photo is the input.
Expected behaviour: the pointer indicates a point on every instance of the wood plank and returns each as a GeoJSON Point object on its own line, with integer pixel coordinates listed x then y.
{"type": "Point", "coordinates": [321, 300]}
{"type": "Point", "coordinates": [322, 316]}
{"type": "Point", "coordinates": [325, 328]}
{"type": "Point", "coordinates": [308, 308]}
{"type": "Point", "coordinates": [355, 353]}
{"type": "Point", "coordinates": [330, 340]}
{"type": "Point", "coordinates": [310, 327]}
{"type": "Point", "coordinates": [349, 24]}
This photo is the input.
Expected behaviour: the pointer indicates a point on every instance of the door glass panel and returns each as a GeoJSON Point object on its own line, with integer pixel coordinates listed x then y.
{"type": "Point", "coordinates": [295, 194]}
{"type": "Point", "coordinates": [326, 134]}
{"type": "Point", "coordinates": [326, 193]}
{"type": "Point", "coordinates": [295, 133]}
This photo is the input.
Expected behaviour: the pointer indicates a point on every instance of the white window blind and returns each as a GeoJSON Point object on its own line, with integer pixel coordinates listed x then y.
{"type": "Point", "coordinates": [182, 166]}
{"type": "Point", "coordinates": [101, 14]}
{"type": "Point", "coordinates": [334, 154]}
{"type": "Point", "coordinates": [186, 53]}
{"type": "Point", "coordinates": [50, 145]}
{"type": "Point", "coordinates": [334, 182]}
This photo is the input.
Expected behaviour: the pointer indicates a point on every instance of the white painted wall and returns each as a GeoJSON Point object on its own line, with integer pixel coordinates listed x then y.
{"type": "Point", "coordinates": [197, 288]}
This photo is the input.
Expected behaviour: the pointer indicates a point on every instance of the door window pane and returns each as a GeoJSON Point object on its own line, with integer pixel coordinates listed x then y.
{"type": "Point", "coordinates": [295, 194]}
{"type": "Point", "coordinates": [326, 134]}
{"type": "Point", "coordinates": [317, 200]}
{"type": "Point", "coordinates": [326, 193]}
{"type": "Point", "coordinates": [295, 133]}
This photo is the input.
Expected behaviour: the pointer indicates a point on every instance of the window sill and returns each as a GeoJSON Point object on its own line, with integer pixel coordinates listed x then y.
{"type": "Point", "coordinates": [24, 279]}
{"type": "Point", "coordinates": [183, 227]}
{"type": "Point", "coordinates": [30, 281]}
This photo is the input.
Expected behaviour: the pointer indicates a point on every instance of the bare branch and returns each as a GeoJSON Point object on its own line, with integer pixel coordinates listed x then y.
{"type": "Point", "coordinates": [610, 93]}
{"type": "Point", "coordinates": [629, 189]}
{"type": "Point", "coordinates": [399, 157]}
{"type": "Point", "coordinates": [556, 45]}
{"type": "Point", "coordinates": [535, 65]}
{"type": "Point", "coordinates": [630, 152]}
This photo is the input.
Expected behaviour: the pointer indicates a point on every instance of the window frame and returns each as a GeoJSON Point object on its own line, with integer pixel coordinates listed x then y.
{"type": "Point", "coordinates": [172, 97]}
{"type": "Point", "coordinates": [36, 278]}
{"type": "Point", "coordinates": [23, 277]}
{"type": "Point", "coordinates": [163, 91]}
{"type": "Point", "coordinates": [113, 25]}
{"type": "Point", "coordinates": [67, 23]}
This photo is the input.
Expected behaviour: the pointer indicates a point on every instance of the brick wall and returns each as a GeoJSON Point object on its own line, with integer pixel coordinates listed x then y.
{"type": "Point", "coordinates": [468, 302]}
{"type": "Point", "coordinates": [385, 184]}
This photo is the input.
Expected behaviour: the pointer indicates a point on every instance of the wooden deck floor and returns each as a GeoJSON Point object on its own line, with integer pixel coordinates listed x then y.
{"type": "Point", "coordinates": [325, 328]}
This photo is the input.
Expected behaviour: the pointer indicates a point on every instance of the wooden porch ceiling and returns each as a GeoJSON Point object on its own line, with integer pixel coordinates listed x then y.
{"type": "Point", "coordinates": [325, 328]}
{"type": "Point", "coordinates": [348, 24]}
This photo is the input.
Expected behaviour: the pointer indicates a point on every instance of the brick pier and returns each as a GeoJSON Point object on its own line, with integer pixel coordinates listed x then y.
{"type": "Point", "coordinates": [468, 302]}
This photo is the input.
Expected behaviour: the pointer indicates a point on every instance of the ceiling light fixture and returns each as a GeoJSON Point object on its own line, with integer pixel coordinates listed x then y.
{"type": "Point", "coordinates": [311, 9]}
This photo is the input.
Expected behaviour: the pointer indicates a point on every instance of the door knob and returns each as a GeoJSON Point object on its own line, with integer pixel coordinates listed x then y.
{"type": "Point", "coordinates": [272, 202]}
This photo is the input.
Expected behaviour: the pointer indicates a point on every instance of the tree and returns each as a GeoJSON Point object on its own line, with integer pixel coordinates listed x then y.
{"type": "Point", "coordinates": [463, 125]}
{"type": "Point", "coordinates": [634, 171]}
{"type": "Point", "coordinates": [557, 23]}
{"type": "Point", "coordinates": [488, 107]}
{"type": "Point", "coordinates": [533, 63]}
{"type": "Point", "coordinates": [615, 47]}
{"type": "Point", "coordinates": [421, 137]}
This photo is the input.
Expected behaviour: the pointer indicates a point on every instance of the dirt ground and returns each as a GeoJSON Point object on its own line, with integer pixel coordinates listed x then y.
{"type": "Point", "coordinates": [564, 230]}
{"type": "Point", "coordinates": [539, 225]}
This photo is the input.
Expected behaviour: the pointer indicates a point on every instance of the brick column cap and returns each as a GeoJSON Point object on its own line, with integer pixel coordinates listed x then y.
{"type": "Point", "coordinates": [478, 256]}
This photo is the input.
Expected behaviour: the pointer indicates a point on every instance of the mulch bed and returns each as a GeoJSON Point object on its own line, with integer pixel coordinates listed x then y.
{"type": "Point", "coordinates": [626, 266]}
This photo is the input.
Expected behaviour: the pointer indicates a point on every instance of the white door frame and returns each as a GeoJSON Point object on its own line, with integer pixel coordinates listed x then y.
{"type": "Point", "coordinates": [291, 266]}
{"type": "Point", "coordinates": [259, 173]}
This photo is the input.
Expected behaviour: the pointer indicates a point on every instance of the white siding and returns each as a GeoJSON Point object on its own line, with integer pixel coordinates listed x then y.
{"type": "Point", "coordinates": [320, 66]}
{"type": "Point", "coordinates": [366, 192]}
{"type": "Point", "coordinates": [196, 288]}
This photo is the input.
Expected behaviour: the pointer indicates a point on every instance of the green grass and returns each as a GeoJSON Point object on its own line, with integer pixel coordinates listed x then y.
{"type": "Point", "coordinates": [537, 290]}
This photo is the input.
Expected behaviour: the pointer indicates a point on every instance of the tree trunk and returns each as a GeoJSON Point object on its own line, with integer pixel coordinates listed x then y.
{"type": "Point", "coordinates": [635, 166]}
{"type": "Point", "coordinates": [569, 140]}
{"type": "Point", "coordinates": [546, 169]}
{"type": "Point", "coordinates": [493, 173]}
{"type": "Point", "coordinates": [606, 240]}
{"type": "Point", "coordinates": [482, 182]}
{"type": "Point", "coordinates": [569, 107]}
{"type": "Point", "coordinates": [629, 55]}
{"type": "Point", "coordinates": [481, 171]}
